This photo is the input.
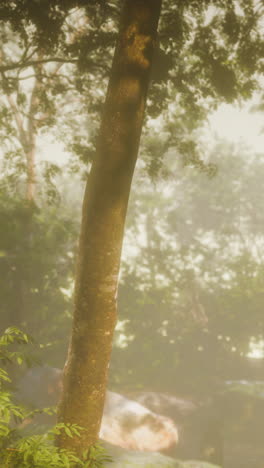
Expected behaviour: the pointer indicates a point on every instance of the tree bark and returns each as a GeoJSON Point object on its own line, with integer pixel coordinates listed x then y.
{"type": "Point", "coordinates": [104, 212]}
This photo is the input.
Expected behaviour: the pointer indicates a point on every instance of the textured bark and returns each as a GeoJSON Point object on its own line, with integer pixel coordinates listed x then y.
{"type": "Point", "coordinates": [104, 212]}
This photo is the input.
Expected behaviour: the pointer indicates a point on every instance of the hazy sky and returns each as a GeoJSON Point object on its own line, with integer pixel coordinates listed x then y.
{"type": "Point", "coordinates": [237, 125]}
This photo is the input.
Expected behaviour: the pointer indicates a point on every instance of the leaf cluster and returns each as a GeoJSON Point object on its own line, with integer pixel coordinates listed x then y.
{"type": "Point", "coordinates": [35, 451]}
{"type": "Point", "coordinates": [36, 275]}
{"type": "Point", "coordinates": [192, 289]}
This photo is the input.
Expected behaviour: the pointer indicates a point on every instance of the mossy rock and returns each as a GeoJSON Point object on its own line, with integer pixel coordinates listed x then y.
{"type": "Point", "coordinates": [195, 464]}
{"type": "Point", "coordinates": [130, 459]}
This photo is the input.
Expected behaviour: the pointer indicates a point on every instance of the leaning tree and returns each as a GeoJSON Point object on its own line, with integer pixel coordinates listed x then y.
{"type": "Point", "coordinates": [211, 53]}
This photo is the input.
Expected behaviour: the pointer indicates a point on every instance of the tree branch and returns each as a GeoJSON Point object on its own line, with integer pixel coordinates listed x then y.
{"type": "Point", "coordinates": [31, 63]}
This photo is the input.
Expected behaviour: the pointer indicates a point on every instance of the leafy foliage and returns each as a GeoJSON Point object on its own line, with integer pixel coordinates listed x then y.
{"type": "Point", "coordinates": [34, 451]}
{"type": "Point", "coordinates": [34, 296]}
{"type": "Point", "coordinates": [204, 302]}
{"type": "Point", "coordinates": [191, 291]}
{"type": "Point", "coordinates": [206, 54]}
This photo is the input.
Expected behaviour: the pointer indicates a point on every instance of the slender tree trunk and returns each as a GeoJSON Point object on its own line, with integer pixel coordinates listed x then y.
{"type": "Point", "coordinates": [30, 149]}
{"type": "Point", "coordinates": [31, 172]}
{"type": "Point", "coordinates": [27, 139]}
{"type": "Point", "coordinates": [104, 212]}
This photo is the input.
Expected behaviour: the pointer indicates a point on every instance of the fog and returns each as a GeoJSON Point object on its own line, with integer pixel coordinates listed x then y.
{"type": "Point", "coordinates": [188, 348]}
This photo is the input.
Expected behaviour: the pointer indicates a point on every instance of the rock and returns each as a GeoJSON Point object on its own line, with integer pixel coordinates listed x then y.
{"type": "Point", "coordinates": [125, 422]}
{"type": "Point", "coordinates": [128, 459]}
{"type": "Point", "coordinates": [132, 426]}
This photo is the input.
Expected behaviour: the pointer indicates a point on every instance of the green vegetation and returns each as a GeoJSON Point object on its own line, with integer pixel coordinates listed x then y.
{"type": "Point", "coordinates": [190, 298]}
{"type": "Point", "coordinates": [35, 451]}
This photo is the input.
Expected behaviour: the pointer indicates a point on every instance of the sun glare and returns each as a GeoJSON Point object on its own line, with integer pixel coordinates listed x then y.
{"type": "Point", "coordinates": [239, 126]}
{"type": "Point", "coordinates": [256, 349]}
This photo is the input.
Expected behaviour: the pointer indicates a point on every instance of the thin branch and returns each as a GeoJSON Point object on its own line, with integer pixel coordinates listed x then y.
{"type": "Point", "coordinates": [25, 55]}
{"type": "Point", "coordinates": [45, 76]}
{"type": "Point", "coordinates": [55, 71]}
{"type": "Point", "coordinates": [29, 56]}
{"type": "Point", "coordinates": [31, 63]}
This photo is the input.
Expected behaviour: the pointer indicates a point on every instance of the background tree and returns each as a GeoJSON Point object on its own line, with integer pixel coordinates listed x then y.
{"type": "Point", "coordinates": [190, 292]}
{"type": "Point", "coordinates": [208, 54]}
{"type": "Point", "coordinates": [36, 85]}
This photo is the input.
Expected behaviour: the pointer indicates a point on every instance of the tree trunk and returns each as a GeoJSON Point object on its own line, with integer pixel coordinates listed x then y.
{"type": "Point", "coordinates": [27, 139]}
{"type": "Point", "coordinates": [104, 212]}
{"type": "Point", "coordinates": [31, 172]}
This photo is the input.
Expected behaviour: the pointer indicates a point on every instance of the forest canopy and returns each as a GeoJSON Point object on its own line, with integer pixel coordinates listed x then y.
{"type": "Point", "coordinates": [191, 283]}
{"type": "Point", "coordinates": [55, 60]}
